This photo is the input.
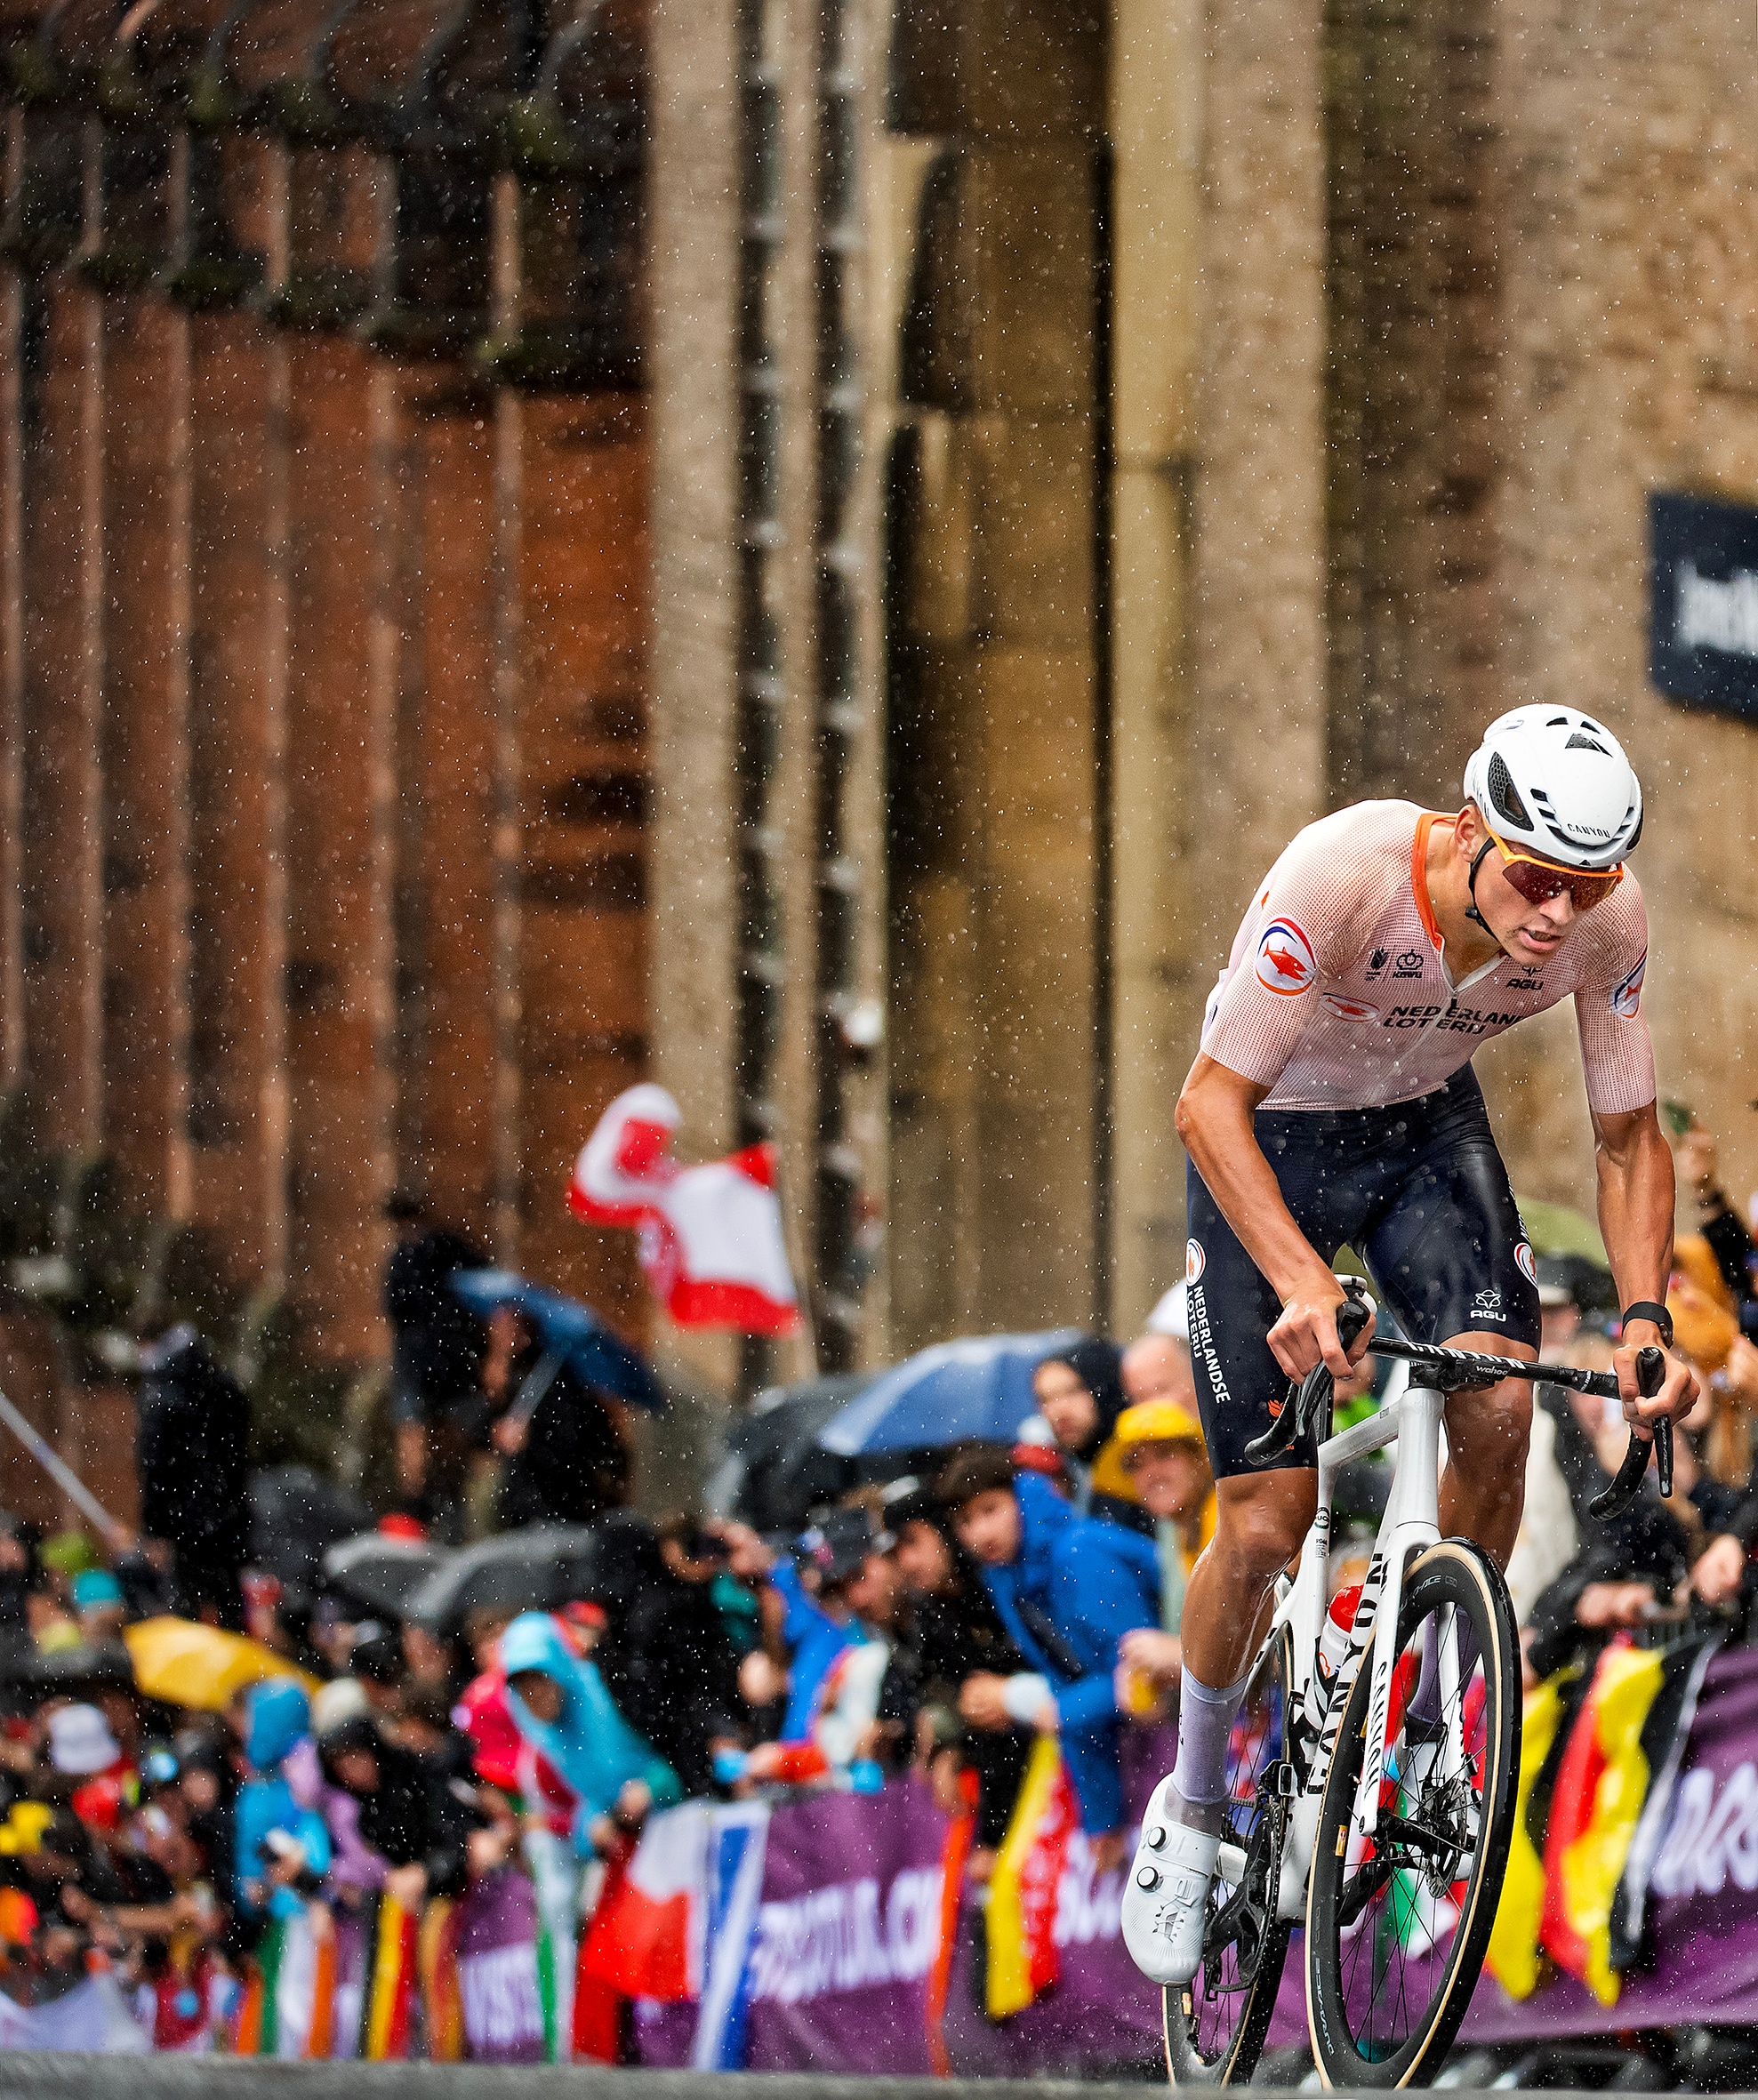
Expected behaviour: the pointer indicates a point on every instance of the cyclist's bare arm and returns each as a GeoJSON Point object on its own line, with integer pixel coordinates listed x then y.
{"type": "Point", "coordinates": [1635, 1207]}
{"type": "Point", "coordinates": [1214, 1118]}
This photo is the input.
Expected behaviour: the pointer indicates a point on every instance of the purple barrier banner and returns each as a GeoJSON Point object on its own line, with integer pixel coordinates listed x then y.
{"type": "Point", "coordinates": [1704, 1895]}
{"type": "Point", "coordinates": [497, 1971]}
{"type": "Point", "coordinates": [846, 1936]}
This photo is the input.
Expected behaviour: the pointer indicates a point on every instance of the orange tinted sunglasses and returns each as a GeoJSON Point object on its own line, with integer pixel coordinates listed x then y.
{"type": "Point", "coordinates": [1539, 880]}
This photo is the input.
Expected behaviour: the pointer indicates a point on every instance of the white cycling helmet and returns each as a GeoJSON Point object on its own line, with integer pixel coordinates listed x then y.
{"type": "Point", "coordinates": [1556, 781]}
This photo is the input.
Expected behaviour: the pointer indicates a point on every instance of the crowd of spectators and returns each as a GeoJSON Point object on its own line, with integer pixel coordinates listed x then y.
{"type": "Point", "coordinates": [934, 1624]}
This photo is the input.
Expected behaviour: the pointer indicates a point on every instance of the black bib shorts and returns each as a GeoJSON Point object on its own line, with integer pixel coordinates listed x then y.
{"type": "Point", "coordinates": [1417, 1190]}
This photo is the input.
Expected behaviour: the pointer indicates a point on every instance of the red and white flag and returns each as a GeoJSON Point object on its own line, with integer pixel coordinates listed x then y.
{"type": "Point", "coordinates": [711, 1236]}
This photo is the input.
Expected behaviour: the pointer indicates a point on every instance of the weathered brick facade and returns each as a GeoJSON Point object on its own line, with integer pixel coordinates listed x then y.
{"type": "Point", "coordinates": [323, 754]}
{"type": "Point", "coordinates": [1082, 442]}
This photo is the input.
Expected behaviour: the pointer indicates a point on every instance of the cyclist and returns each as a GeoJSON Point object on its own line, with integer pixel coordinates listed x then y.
{"type": "Point", "coordinates": [1333, 1102]}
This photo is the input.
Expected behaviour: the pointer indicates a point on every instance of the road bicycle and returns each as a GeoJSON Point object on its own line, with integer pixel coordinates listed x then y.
{"type": "Point", "coordinates": [1375, 1807]}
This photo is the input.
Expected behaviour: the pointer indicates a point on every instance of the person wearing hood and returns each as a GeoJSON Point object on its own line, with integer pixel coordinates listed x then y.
{"type": "Point", "coordinates": [281, 1850]}
{"type": "Point", "coordinates": [1079, 1394]}
{"type": "Point", "coordinates": [1068, 1588]}
{"type": "Point", "coordinates": [561, 1706]}
{"type": "Point", "coordinates": [192, 1458]}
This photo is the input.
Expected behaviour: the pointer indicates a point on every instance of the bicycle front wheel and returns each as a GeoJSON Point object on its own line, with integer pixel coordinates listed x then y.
{"type": "Point", "coordinates": [1396, 1923]}
{"type": "Point", "coordinates": [1216, 2024]}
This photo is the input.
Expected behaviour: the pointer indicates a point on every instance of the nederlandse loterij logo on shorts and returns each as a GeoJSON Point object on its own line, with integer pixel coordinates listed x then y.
{"type": "Point", "coordinates": [1522, 1255]}
{"type": "Point", "coordinates": [1193, 1261]}
{"type": "Point", "coordinates": [1285, 961]}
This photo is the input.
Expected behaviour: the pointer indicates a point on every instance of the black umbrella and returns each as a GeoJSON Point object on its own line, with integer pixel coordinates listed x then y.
{"type": "Point", "coordinates": [71, 1671]}
{"type": "Point", "coordinates": [295, 1514]}
{"type": "Point", "coordinates": [527, 1570]}
{"type": "Point", "coordinates": [780, 1472]}
{"type": "Point", "coordinates": [383, 1573]}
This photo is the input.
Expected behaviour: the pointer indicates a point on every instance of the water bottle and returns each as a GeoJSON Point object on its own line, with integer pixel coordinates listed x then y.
{"type": "Point", "coordinates": [1333, 1646]}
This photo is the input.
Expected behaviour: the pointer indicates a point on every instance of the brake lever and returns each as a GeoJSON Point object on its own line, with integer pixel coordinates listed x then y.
{"type": "Point", "coordinates": [1626, 1483]}
{"type": "Point", "coordinates": [1306, 1415]}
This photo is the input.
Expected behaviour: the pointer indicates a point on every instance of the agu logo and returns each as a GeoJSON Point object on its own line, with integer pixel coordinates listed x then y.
{"type": "Point", "coordinates": [1285, 962]}
{"type": "Point", "coordinates": [1193, 1261]}
{"type": "Point", "coordinates": [1524, 1261]}
{"type": "Point", "coordinates": [1626, 994]}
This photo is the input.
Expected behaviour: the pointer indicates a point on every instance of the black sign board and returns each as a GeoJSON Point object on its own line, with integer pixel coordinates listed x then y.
{"type": "Point", "coordinates": [1703, 603]}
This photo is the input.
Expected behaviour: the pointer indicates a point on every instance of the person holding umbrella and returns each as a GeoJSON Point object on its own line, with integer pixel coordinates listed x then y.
{"type": "Point", "coordinates": [566, 1456]}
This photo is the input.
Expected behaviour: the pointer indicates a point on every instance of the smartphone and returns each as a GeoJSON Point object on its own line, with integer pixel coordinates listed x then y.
{"type": "Point", "coordinates": [1679, 1117]}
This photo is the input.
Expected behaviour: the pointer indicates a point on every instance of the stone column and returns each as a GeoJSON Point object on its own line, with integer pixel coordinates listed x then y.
{"type": "Point", "coordinates": [13, 297]}
{"type": "Point", "coordinates": [61, 820]}
{"type": "Point", "coordinates": [340, 438]}
{"type": "Point", "coordinates": [1257, 755]}
{"type": "Point", "coordinates": [693, 357]}
{"type": "Point", "coordinates": [447, 772]}
{"type": "Point", "coordinates": [1156, 67]}
{"type": "Point", "coordinates": [146, 782]}
{"type": "Point", "coordinates": [583, 793]}
{"type": "Point", "coordinates": [236, 1119]}
{"type": "Point", "coordinates": [693, 362]}
{"type": "Point", "coordinates": [997, 724]}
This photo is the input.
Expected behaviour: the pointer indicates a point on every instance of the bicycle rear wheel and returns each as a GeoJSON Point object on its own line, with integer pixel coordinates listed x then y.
{"type": "Point", "coordinates": [1216, 2024]}
{"type": "Point", "coordinates": [1397, 1924]}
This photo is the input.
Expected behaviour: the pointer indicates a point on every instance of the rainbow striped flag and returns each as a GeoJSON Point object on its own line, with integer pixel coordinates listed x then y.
{"type": "Point", "coordinates": [391, 1990]}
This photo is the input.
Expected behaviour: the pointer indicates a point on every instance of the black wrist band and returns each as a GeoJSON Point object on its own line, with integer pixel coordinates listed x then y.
{"type": "Point", "coordinates": [1646, 1308]}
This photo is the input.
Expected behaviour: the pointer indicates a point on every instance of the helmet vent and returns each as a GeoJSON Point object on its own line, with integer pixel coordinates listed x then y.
{"type": "Point", "coordinates": [1577, 742]}
{"type": "Point", "coordinates": [1504, 795]}
{"type": "Point", "coordinates": [1558, 722]}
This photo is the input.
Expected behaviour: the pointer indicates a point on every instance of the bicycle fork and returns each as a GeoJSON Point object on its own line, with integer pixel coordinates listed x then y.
{"type": "Point", "coordinates": [1410, 1526]}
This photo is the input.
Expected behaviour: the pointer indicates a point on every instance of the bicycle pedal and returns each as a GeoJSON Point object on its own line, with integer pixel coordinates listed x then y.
{"type": "Point", "coordinates": [1288, 1781]}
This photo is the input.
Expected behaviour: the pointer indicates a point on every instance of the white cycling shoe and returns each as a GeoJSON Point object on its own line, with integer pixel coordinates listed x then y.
{"type": "Point", "coordinates": [1166, 1892]}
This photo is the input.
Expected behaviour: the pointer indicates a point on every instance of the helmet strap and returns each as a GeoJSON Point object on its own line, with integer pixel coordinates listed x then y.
{"type": "Point", "coordinates": [1471, 912]}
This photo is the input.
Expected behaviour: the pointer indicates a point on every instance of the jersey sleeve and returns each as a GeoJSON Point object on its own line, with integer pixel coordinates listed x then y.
{"type": "Point", "coordinates": [1616, 1050]}
{"type": "Point", "coordinates": [1295, 935]}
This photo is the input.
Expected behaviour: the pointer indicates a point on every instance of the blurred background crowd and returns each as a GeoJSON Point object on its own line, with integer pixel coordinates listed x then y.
{"type": "Point", "coordinates": [270, 1700]}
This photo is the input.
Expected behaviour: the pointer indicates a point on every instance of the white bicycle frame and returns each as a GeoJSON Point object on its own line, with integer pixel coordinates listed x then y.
{"type": "Point", "coordinates": [1410, 1526]}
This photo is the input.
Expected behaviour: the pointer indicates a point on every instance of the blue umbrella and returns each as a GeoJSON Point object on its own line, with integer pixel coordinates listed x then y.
{"type": "Point", "coordinates": [567, 1328]}
{"type": "Point", "coordinates": [980, 1387]}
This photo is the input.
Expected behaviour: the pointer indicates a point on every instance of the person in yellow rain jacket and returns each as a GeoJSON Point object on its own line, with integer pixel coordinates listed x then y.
{"type": "Point", "coordinates": [1156, 1458]}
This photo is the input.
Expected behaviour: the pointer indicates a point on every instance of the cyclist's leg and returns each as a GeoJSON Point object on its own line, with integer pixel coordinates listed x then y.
{"type": "Point", "coordinates": [1451, 1254]}
{"type": "Point", "coordinates": [1261, 1517]}
{"type": "Point", "coordinates": [1261, 1514]}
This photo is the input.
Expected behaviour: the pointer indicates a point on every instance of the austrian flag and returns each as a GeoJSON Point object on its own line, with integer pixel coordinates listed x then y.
{"type": "Point", "coordinates": [711, 1244]}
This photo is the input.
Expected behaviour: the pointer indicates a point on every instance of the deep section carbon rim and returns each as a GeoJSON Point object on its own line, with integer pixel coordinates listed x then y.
{"type": "Point", "coordinates": [1215, 2025]}
{"type": "Point", "coordinates": [1398, 1923]}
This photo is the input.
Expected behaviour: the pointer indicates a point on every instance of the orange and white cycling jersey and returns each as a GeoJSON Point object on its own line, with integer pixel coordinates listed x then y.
{"type": "Point", "coordinates": [1337, 994]}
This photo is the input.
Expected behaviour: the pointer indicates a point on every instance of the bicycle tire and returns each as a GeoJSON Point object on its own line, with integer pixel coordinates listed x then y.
{"type": "Point", "coordinates": [1364, 2047]}
{"type": "Point", "coordinates": [1215, 2025]}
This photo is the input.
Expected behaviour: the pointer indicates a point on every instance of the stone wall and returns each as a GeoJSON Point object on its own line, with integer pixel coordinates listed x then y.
{"type": "Point", "coordinates": [323, 765]}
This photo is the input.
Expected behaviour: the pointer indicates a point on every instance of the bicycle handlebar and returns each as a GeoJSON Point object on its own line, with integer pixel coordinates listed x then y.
{"type": "Point", "coordinates": [1306, 1415]}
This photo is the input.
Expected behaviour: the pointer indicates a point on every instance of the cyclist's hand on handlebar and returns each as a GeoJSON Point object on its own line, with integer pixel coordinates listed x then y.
{"type": "Point", "coordinates": [1306, 1333]}
{"type": "Point", "coordinates": [1678, 1393]}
